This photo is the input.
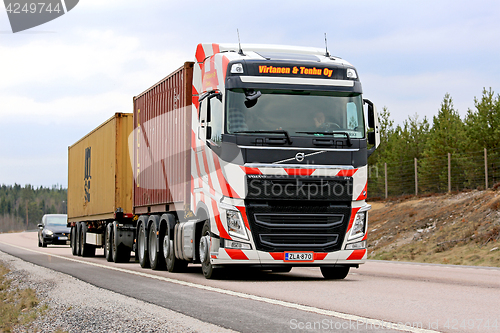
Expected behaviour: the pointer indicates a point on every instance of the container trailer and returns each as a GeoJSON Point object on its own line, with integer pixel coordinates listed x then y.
{"type": "Point", "coordinates": [249, 156]}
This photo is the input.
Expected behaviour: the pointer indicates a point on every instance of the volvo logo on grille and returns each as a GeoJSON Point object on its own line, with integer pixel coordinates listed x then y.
{"type": "Point", "coordinates": [299, 157]}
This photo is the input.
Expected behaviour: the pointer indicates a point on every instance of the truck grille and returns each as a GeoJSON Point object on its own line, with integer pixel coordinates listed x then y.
{"type": "Point", "coordinates": [300, 226]}
{"type": "Point", "coordinates": [291, 241]}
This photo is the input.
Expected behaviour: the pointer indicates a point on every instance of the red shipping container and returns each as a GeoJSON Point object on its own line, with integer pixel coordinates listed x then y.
{"type": "Point", "coordinates": [162, 143]}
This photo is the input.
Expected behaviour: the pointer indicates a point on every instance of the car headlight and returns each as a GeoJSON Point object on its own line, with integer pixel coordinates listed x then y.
{"type": "Point", "coordinates": [48, 232]}
{"type": "Point", "coordinates": [358, 226]}
{"type": "Point", "coordinates": [235, 224]}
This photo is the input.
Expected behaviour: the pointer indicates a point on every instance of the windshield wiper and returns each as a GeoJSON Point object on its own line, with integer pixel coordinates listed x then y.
{"type": "Point", "coordinates": [285, 133]}
{"type": "Point", "coordinates": [349, 143]}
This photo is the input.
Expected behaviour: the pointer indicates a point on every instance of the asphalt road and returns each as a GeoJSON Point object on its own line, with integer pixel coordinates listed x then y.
{"type": "Point", "coordinates": [377, 297]}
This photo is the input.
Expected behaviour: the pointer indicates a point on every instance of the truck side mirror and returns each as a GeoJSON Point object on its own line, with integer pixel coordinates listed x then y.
{"type": "Point", "coordinates": [371, 115]}
{"type": "Point", "coordinates": [40, 225]}
{"type": "Point", "coordinates": [371, 138]}
{"type": "Point", "coordinates": [374, 136]}
{"type": "Point", "coordinates": [208, 132]}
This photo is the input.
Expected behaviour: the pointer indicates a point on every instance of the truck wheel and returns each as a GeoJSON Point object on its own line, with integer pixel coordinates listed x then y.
{"type": "Point", "coordinates": [39, 244]}
{"type": "Point", "coordinates": [78, 239]}
{"type": "Point", "coordinates": [119, 253]}
{"type": "Point", "coordinates": [154, 258]}
{"type": "Point", "coordinates": [334, 273]}
{"type": "Point", "coordinates": [108, 249]}
{"type": "Point", "coordinates": [43, 243]}
{"type": "Point", "coordinates": [174, 265]}
{"type": "Point", "coordinates": [204, 249]}
{"type": "Point", "coordinates": [142, 247]}
{"type": "Point", "coordinates": [73, 240]}
{"type": "Point", "coordinates": [87, 250]}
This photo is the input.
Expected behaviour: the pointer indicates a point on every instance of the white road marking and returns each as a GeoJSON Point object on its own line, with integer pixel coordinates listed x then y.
{"type": "Point", "coordinates": [353, 318]}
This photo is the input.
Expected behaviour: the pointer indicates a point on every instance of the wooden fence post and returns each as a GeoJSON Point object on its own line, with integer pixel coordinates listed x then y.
{"type": "Point", "coordinates": [485, 169]}
{"type": "Point", "coordinates": [416, 178]}
{"type": "Point", "coordinates": [449, 172]}
{"type": "Point", "coordinates": [385, 178]}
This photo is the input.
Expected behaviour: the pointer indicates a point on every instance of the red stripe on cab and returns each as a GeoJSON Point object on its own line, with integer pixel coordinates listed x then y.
{"type": "Point", "coordinates": [236, 254]}
{"type": "Point", "coordinates": [357, 254]}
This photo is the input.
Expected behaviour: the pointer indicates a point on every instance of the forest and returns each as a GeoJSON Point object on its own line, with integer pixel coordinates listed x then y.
{"type": "Point", "coordinates": [22, 208]}
{"type": "Point", "coordinates": [444, 154]}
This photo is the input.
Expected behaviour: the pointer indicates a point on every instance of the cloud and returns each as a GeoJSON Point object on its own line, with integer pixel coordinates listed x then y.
{"type": "Point", "coordinates": [422, 94]}
{"type": "Point", "coordinates": [96, 73]}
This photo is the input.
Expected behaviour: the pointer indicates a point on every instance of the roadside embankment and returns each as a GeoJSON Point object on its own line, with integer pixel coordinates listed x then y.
{"type": "Point", "coordinates": [460, 229]}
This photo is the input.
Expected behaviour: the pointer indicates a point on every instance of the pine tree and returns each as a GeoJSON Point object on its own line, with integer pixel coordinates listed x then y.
{"type": "Point", "coordinates": [447, 135]}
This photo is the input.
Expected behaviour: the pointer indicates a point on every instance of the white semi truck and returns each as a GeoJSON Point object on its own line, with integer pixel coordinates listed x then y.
{"type": "Point", "coordinates": [249, 156]}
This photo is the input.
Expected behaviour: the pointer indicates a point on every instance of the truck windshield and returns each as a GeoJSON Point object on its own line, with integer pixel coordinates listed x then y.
{"type": "Point", "coordinates": [296, 112]}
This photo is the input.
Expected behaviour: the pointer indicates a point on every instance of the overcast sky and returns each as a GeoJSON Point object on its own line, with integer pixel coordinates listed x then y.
{"type": "Point", "coordinates": [60, 80]}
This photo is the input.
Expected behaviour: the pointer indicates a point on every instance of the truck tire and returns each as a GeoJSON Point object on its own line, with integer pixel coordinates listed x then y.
{"type": "Point", "coordinates": [155, 261]}
{"type": "Point", "coordinates": [87, 250]}
{"type": "Point", "coordinates": [335, 273]}
{"type": "Point", "coordinates": [78, 227]}
{"type": "Point", "coordinates": [142, 247]}
{"type": "Point", "coordinates": [120, 253]}
{"type": "Point", "coordinates": [173, 264]}
{"type": "Point", "coordinates": [73, 240]}
{"type": "Point", "coordinates": [108, 248]}
{"type": "Point", "coordinates": [209, 271]}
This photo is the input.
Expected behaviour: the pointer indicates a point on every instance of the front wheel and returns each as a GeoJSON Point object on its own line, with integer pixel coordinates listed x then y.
{"type": "Point", "coordinates": [209, 271]}
{"type": "Point", "coordinates": [334, 273]}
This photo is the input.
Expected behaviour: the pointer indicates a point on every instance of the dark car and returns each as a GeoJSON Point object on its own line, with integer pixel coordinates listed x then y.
{"type": "Point", "coordinates": [53, 230]}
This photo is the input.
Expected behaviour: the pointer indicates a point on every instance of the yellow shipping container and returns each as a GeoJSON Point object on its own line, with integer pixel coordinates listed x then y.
{"type": "Point", "coordinates": [100, 173]}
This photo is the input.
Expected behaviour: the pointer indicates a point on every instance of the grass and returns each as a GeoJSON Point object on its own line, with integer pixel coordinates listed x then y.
{"type": "Point", "coordinates": [17, 306]}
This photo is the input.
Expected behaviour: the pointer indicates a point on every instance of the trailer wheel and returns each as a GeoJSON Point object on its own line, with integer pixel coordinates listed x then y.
{"type": "Point", "coordinates": [119, 253]}
{"type": "Point", "coordinates": [142, 247]}
{"type": "Point", "coordinates": [335, 273]}
{"type": "Point", "coordinates": [174, 264]}
{"type": "Point", "coordinates": [78, 228]}
{"type": "Point", "coordinates": [108, 249]}
{"type": "Point", "coordinates": [87, 250]}
{"type": "Point", "coordinates": [73, 240]}
{"type": "Point", "coordinates": [154, 259]}
{"type": "Point", "coordinates": [209, 271]}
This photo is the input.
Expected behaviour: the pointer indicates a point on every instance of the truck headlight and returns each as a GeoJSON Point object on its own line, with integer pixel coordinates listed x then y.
{"type": "Point", "coordinates": [358, 226]}
{"type": "Point", "coordinates": [235, 224]}
{"type": "Point", "coordinates": [48, 232]}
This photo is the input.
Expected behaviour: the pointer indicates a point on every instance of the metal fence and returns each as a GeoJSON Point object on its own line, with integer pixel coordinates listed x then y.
{"type": "Point", "coordinates": [436, 174]}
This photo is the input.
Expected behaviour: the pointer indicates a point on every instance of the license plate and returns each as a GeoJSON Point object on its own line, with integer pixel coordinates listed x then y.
{"type": "Point", "coordinates": [299, 256]}
{"type": "Point", "coordinates": [63, 238]}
